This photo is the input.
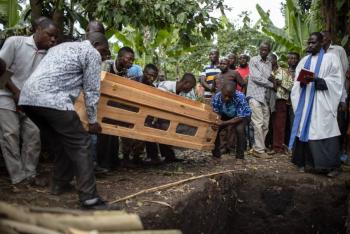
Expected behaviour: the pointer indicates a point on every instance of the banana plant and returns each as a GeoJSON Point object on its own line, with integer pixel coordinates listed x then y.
{"type": "Point", "coordinates": [298, 27]}
{"type": "Point", "coordinates": [9, 13]}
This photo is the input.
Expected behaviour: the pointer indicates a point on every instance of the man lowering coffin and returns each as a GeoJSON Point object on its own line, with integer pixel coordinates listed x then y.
{"type": "Point", "coordinates": [315, 98]}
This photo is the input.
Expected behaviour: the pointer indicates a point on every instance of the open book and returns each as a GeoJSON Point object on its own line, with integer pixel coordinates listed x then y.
{"type": "Point", "coordinates": [303, 74]}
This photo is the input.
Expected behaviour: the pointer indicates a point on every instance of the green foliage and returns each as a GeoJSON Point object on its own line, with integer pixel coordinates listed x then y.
{"type": "Point", "coordinates": [9, 12]}
{"type": "Point", "coordinates": [239, 40]}
{"type": "Point", "coordinates": [190, 16]}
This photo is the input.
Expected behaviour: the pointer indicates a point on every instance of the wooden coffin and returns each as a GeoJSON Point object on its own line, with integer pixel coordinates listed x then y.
{"type": "Point", "coordinates": [125, 105]}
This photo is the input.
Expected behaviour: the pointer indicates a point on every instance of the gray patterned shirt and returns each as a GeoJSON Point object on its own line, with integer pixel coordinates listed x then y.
{"type": "Point", "coordinates": [67, 69]}
{"type": "Point", "coordinates": [258, 83]}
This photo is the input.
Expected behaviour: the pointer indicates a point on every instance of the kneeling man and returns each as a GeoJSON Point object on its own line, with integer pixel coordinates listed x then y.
{"type": "Point", "coordinates": [234, 110]}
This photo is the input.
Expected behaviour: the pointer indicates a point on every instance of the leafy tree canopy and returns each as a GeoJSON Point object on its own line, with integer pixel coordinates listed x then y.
{"type": "Point", "coordinates": [190, 16]}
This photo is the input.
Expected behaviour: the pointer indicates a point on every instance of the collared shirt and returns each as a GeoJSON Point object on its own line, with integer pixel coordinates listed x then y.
{"type": "Point", "coordinates": [237, 107]}
{"type": "Point", "coordinates": [210, 71]}
{"type": "Point", "coordinates": [258, 82]}
{"type": "Point", "coordinates": [287, 82]}
{"type": "Point", "coordinates": [170, 86]}
{"type": "Point", "coordinates": [21, 57]}
{"type": "Point", "coordinates": [66, 70]}
{"type": "Point", "coordinates": [341, 54]}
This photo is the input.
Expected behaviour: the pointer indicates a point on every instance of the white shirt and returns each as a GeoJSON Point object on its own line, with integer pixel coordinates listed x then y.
{"type": "Point", "coordinates": [170, 86]}
{"type": "Point", "coordinates": [21, 57]}
{"type": "Point", "coordinates": [341, 54]}
{"type": "Point", "coordinates": [324, 111]}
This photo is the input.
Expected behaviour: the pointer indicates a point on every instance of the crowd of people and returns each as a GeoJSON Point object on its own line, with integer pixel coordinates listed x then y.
{"type": "Point", "coordinates": [266, 109]}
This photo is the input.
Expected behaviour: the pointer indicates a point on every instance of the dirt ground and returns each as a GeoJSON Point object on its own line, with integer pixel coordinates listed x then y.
{"type": "Point", "coordinates": [260, 195]}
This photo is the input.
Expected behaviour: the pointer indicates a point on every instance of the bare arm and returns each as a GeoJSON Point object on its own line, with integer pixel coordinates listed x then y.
{"type": "Point", "coordinates": [233, 121]}
{"type": "Point", "coordinates": [14, 90]}
{"type": "Point", "coordinates": [204, 83]}
{"type": "Point", "coordinates": [239, 79]}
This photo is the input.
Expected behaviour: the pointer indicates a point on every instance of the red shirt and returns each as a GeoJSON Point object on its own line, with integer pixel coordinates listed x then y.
{"type": "Point", "coordinates": [244, 72]}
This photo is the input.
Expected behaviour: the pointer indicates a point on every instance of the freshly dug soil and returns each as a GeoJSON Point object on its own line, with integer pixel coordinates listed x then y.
{"type": "Point", "coordinates": [259, 196]}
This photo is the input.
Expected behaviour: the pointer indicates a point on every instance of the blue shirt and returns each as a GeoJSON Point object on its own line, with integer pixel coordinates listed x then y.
{"type": "Point", "coordinates": [134, 71]}
{"type": "Point", "coordinates": [237, 107]}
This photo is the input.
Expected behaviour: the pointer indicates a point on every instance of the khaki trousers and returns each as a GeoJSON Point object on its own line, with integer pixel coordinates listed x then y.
{"type": "Point", "coordinates": [20, 144]}
{"type": "Point", "coordinates": [260, 119]}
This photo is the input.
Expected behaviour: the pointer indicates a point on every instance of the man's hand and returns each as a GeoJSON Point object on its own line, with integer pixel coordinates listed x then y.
{"type": "Point", "coordinates": [347, 74]}
{"type": "Point", "coordinates": [215, 127]}
{"type": "Point", "coordinates": [2, 67]}
{"type": "Point", "coordinates": [343, 107]}
{"type": "Point", "coordinates": [95, 128]}
{"type": "Point", "coordinates": [309, 79]}
{"type": "Point", "coordinates": [16, 95]}
{"type": "Point", "coordinates": [233, 121]}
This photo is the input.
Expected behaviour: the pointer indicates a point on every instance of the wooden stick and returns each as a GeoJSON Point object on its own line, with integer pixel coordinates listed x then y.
{"type": "Point", "coordinates": [58, 210]}
{"type": "Point", "coordinates": [26, 228]}
{"type": "Point", "coordinates": [173, 172]}
{"type": "Point", "coordinates": [164, 186]}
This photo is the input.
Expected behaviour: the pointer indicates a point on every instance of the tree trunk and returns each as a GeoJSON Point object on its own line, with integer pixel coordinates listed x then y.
{"type": "Point", "coordinates": [58, 18]}
{"type": "Point", "coordinates": [328, 9]}
{"type": "Point", "coordinates": [36, 7]}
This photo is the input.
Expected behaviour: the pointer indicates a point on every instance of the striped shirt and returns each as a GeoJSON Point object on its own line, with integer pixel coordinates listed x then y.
{"type": "Point", "coordinates": [210, 71]}
{"type": "Point", "coordinates": [258, 83]}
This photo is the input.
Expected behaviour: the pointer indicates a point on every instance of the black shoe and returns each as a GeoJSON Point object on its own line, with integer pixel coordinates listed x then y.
{"type": "Point", "coordinates": [101, 170]}
{"type": "Point", "coordinates": [94, 204]}
{"type": "Point", "coordinates": [334, 173]}
{"type": "Point", "coordinates": [39, 182]}
{"type": "Point", "coordinates": [60, 189]}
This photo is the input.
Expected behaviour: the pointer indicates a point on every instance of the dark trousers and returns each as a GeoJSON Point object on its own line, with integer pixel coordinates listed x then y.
{"type": "Point", "coordinates": [166, 151]}
{"type": "Point", "coordinates": [279, 125]}
{"type": "Point", "coordinates": [319, 154]}
{"type": "Point", "coordinates": [227, 139]}
{"type": "Point", "coordinates": [72, 148]}
{"type": "Point", "coordinates": [239, 132]}
{"type": "Point", "coordinates": [107, 151]}
{"type": "Point", "coordinates": [342, 123]}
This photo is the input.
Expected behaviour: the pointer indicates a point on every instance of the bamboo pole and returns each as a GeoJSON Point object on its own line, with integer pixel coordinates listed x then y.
{"type": "Point", "coordinates": [165, 186]}
{"type": "Point", "coordinates": [103, 223]}
{"type": "Point", "coordinates": [58, 210]}
{"type": "Point", "coordinates": [25, 228]}
{"type": "Point", "coordinates": [76, 231]}
{"type": "Point", "coordinates": [114, 221]}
